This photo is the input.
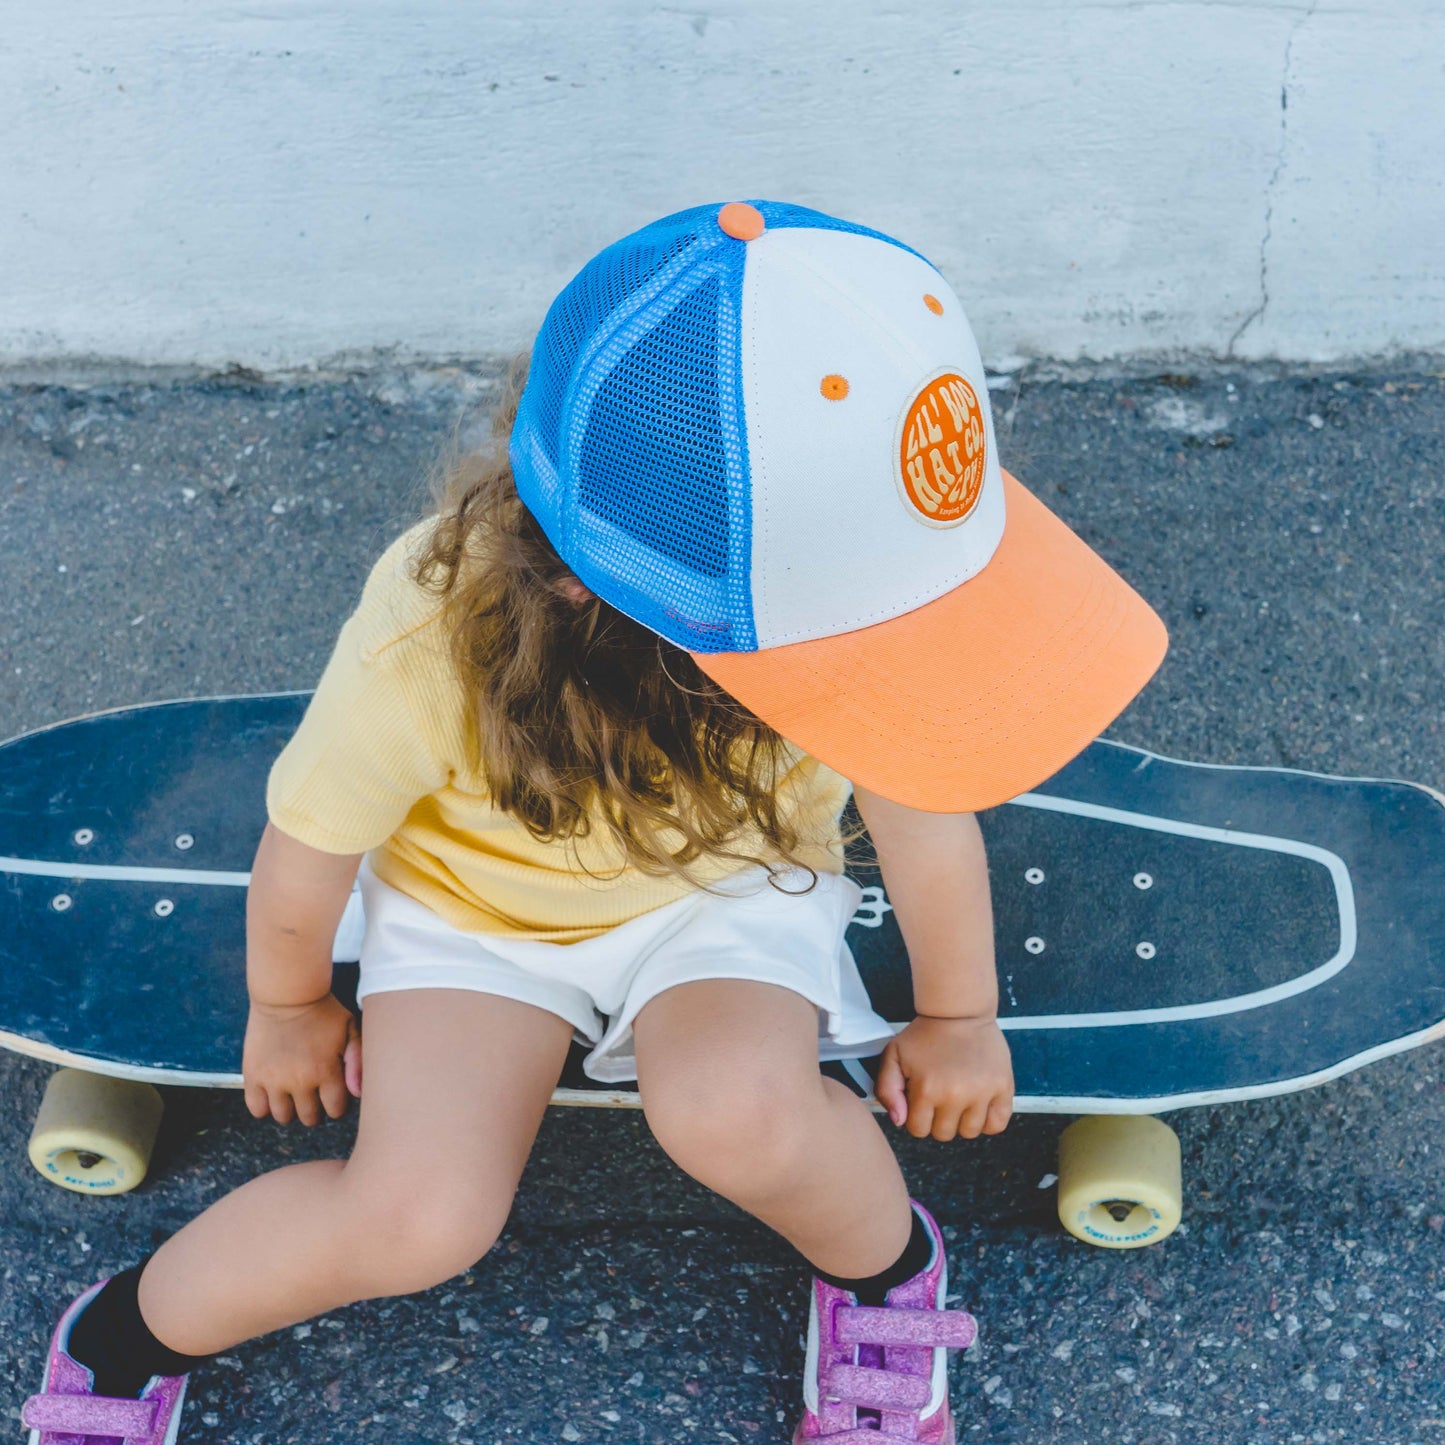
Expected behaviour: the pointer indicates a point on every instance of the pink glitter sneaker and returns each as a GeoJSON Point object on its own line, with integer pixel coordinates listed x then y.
{"type": "Point", "coordinates": [875, 1376]}
{"type": "Point", "coordinates": [66, 1412]}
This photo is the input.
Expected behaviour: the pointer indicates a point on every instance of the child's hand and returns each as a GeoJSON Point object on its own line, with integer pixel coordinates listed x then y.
{"type": "Point", "coordinates": [949, 1078]}
{"type": "Point", "coordinates": [300, 1059]}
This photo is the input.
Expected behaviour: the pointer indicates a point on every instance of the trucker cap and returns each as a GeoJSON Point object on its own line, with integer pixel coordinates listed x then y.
{"type": "Point", "coordinates": [764, 433]}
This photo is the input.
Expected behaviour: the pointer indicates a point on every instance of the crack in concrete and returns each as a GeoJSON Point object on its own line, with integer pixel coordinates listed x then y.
{"type": "Point", "coordinates": [1269, 188]}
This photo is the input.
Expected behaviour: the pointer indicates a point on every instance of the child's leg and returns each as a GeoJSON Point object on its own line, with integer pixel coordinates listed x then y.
{"type": "Point", "coordinates": [728, 1071]}
{"type": "Point", "coordinates": [456, 1084]}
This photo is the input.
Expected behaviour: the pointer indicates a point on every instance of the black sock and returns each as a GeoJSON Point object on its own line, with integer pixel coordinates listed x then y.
{"type": "Point", "coordinates": [872, 1289]}
{"type": "Point", "coordinates": [112, 1340]}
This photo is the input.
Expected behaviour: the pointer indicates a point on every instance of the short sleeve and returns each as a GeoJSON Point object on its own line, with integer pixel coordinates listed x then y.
{"type": "Point", "coordinates": [373, 739]}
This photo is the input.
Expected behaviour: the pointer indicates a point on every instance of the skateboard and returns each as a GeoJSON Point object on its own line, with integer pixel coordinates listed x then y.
{"type": "Point", "coordinates": [1169, 934]}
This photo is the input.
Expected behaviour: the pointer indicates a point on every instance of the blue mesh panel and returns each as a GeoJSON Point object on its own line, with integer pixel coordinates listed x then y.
{"type": "Point", "coordinates": [608, 279]}
{"type": "Point", "coordinates": [658, 517]}
{"type": "Point", "coordinates": [630, 446]}
{"type": "Point", "coordinates": [664, 485]}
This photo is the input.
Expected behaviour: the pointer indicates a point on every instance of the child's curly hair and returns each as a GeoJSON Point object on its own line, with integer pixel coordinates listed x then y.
{"type": "Point", "coordinates": [584, 716]}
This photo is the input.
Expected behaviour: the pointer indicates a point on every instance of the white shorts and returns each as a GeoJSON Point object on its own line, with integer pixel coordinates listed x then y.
{"type": "Point", "coordinates": [599, 985]}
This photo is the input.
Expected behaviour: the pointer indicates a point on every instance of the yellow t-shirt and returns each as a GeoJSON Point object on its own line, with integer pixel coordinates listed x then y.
{"type": "Point", "coordinates": [380, 763]}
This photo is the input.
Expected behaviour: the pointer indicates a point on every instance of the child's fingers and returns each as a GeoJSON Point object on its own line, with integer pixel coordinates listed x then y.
{"type": "Point", "coordinates": [947, 1123]}
{"type": "Point", "coordinates": [257, 1104]}
{"type": "Point", "coordinates": [308, 1107]}
{"type": "Point", "coordinates": [999, 1113]}
{"type": "Point", "coordinates": [334, 1094]}
{"type": "Point", "coordinates": [282, 1109]}
{"type": "Point", "coordinates": [971, 1120]}
{"type": "Point", "coordinates": [351, 1060]}
{"type": "Point", "coordinates": [920, 1115]}
{"type": "Point", "coordinates": [889, 1087]}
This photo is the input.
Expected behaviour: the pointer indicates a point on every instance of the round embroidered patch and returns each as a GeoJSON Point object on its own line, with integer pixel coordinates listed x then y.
{"type": "Point", "coordinates": [941, 451]}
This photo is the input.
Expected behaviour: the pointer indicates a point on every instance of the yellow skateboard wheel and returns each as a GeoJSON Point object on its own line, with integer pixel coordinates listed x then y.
{"type": "Point", "coordinates": [93, 1134]}
{"type": "Point", "coordinates": [1119, 1180]}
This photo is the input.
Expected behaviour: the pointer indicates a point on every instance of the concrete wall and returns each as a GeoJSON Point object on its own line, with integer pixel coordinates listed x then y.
{"type": "Point", "coordinates": [282, 183]}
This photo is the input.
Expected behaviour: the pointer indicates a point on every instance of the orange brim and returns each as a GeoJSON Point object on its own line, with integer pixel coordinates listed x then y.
{"type": "Point", "coordinates": [977, 696]}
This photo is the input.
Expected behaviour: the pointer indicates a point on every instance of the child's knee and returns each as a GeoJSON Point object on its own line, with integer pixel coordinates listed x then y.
{"type": "Point", "coordinates": [731, 1134]}
{"type": "Point", "coordinates": [407, 1234]}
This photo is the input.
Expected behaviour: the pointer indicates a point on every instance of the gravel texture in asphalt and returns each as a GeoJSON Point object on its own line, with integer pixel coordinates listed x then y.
{"type": "Point", "coordinates": [208, 537]}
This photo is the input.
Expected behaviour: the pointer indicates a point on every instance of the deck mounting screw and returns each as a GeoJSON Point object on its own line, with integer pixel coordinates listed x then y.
{"type": "Point", "coordinates": [1033, 875]}
{"type": "Point", "coordinates": [61, 902]}
{"type": "Point", "coordinates": [1146, 950]}
{"type": "Point", "coordinates": [164, 908]}
{"type": "Point", "coordinates": [1034, 944]}
{"type": "Point", "coordinates": [84, 836]}
{"type": "Point", "coordinates": [1143, 880]}
{"type": "Point", "coordinates": [184, 841]}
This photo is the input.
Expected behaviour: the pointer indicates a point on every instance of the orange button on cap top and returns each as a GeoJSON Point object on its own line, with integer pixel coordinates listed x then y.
{"type": "Point", "coordinates": [741, 221]}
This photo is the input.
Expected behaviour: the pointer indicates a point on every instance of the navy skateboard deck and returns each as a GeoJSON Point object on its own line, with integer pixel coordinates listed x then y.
{"type": "Point", "coordinates": [1167, 933]}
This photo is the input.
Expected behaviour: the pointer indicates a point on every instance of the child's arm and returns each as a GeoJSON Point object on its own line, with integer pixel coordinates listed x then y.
{"type": "Point", "coordinates": [302, 1050]}
{"type": "Point", "coordinates": [948, 1073]}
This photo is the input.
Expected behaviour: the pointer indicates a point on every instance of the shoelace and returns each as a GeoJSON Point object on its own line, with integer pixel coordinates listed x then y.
{"type": "Point", "coordinates": [890, 1392]}
{"type": "Point", "coordinates": [90, 1415]}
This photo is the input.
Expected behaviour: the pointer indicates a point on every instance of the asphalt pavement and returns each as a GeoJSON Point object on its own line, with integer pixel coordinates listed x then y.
{"type": "Point", "coordinates": [183, 538]}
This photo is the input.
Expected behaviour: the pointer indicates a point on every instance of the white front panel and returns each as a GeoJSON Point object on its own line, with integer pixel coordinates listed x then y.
{"type": "Point", "coordinates": [836, 546]}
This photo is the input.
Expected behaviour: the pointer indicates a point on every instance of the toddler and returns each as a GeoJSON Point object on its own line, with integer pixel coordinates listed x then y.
{"type": "Point", "coordinates": [743, 547]}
